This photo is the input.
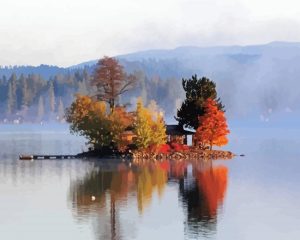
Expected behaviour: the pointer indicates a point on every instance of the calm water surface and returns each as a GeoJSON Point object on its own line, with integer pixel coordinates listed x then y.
{"type": "Point", "coordinates": [255, 197]}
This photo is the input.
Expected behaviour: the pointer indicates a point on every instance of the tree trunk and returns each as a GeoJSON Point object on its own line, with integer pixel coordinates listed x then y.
{"type": "Point", "coordinates": [112, 105]}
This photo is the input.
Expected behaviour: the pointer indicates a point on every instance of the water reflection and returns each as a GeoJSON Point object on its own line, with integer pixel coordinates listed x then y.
{"type": "Point", "coordinates": [202, 194]}
{"type": "Point", "coordinates": [105, 192]}
{"type": "Point", "coordinates": [51, 199]}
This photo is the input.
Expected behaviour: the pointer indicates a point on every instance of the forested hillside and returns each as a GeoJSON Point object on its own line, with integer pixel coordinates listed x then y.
{"type": "Point", "coordinates": [34, 98]}
{"type": "Point", "coordinates": [255, 81]}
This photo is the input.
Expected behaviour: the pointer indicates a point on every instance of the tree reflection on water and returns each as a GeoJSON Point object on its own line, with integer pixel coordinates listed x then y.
{"type": "Point", "coordinates": [107, 189]}
{"type": "Point", "coordinates": [202, 191]}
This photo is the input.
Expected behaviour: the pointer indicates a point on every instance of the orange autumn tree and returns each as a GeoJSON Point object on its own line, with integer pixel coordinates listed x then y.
{"type": "Point", "coordinates": [111, 80]}
{"type": "Point", "coordinates": [90, 118]}
{"type": "Point", "coordinates": [120, 120]}
{"type": "Point", "coordinates": [213, 127]}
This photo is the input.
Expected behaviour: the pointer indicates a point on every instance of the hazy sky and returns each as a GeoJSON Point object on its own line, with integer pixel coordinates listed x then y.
{"type": "Point", "coordinates": [67, 32]}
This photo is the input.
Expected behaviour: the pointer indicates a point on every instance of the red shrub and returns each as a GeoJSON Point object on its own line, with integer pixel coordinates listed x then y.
{"type": "Point", "coordinates": [164, 148]}
{"type": "Point", "coordinates": [179, 147]}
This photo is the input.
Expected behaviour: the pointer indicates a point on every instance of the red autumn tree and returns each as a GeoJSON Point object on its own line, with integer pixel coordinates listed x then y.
{"type": "Point", "coordinates": [213, 127]}
{"type": "Point", "coordinates": [111, 80]}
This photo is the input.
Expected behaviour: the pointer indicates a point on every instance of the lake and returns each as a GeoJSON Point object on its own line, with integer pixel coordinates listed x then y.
{"type": "Point", "coordinates": [251, 197]}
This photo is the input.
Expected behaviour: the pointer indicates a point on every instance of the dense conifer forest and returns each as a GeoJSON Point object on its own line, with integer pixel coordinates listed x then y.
{"type": "Point", "coordinates": [253, 82]}
{"type": "Point", "coordinates": [32, 94]}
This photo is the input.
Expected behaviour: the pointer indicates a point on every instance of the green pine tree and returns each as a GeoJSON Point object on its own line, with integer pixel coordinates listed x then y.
{"type": "Point", "coordinates": [197, 92]}
{"type": "Point", "coordinates": [41, 109]}
{"type": "Point", "coordinates": [12, 94]}
{"type": "Point", "coordinates": [51, 97]}
{"type": "Point", "coordinates": [60, 110]}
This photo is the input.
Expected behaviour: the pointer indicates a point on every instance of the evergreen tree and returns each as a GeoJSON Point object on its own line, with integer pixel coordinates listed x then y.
{"type": "Point", "coordinates": [82, 87]}
{"type": "Point", "coordinates": [3, 90]}
{"type": "Point", "coordinates": [60, 110]}
{"type": "Point", "coordinates": [51, 97]}
{"type": "Point", "coordinates": [142, 85]}
{"type": "Point", "coordinates": [41, 109]}
{"type": "Point", "coordinates": [197, 92]}
{"type": "Point", "coordinates": [25, 95]}
{"type": "Point", "coordinates": [24, 89]}
{"type": "Point", "coordinates": [10, 100]}
{"type": "Point", "coordinates": [82, 80]}
{"type": "Point", "coordinates": [12, 94]}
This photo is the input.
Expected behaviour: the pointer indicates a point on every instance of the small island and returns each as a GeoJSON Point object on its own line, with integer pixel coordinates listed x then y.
{"type": "Point", "coordinates": [114, 131]}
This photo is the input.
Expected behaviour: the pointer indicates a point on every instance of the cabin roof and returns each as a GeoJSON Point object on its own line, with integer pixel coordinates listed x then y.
{"type": "Point", "coordinates": [176, 130]}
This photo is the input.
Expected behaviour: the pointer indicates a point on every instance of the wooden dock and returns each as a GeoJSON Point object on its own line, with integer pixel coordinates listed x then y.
{"type": "Point", "coordinates": [42, 157]}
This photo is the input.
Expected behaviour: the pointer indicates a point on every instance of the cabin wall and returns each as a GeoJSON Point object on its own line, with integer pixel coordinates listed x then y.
{"type": "Point", "coordinates": [177, 139]}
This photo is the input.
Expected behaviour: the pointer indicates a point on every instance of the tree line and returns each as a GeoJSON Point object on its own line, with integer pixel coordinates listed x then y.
{"type": "Point", "coordinates": [31, 98]}
{"type": "Point", "coordinates": [35, 98]}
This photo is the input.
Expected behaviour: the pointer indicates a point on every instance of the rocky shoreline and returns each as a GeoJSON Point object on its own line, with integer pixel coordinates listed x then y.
{"type": "Point", "coordinates": [146, 155]}
{"type": "Point", "coordinates": [193, 154]}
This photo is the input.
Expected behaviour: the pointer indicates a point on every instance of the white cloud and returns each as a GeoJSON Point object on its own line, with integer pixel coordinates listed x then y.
{"type": "Point", "coordinates": [67, 32]}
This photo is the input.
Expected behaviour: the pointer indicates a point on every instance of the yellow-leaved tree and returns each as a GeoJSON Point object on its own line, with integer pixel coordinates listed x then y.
{"type": "Point", "coordinates": [158, 124]}
{"type": "Point", "coordinates": [149, 126]}
{"type": "Point", "coordinates": [142, 126]}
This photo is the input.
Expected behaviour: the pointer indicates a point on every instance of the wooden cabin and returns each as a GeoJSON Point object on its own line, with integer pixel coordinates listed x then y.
{"type": "Point", "coordinates": [177, 134]}
{"type": "Point", "coordinates": [128, 135]}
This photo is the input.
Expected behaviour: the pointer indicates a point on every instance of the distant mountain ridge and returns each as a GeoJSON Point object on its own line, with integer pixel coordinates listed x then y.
{"type": "Point", "coordinates": [255, 80]}
{"type": "Point", "coordinates": [239, 53]}
{"type": "Point", "coordinates": [184, 52]}
{"type": "Point", "coordinates": [44, 70]}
